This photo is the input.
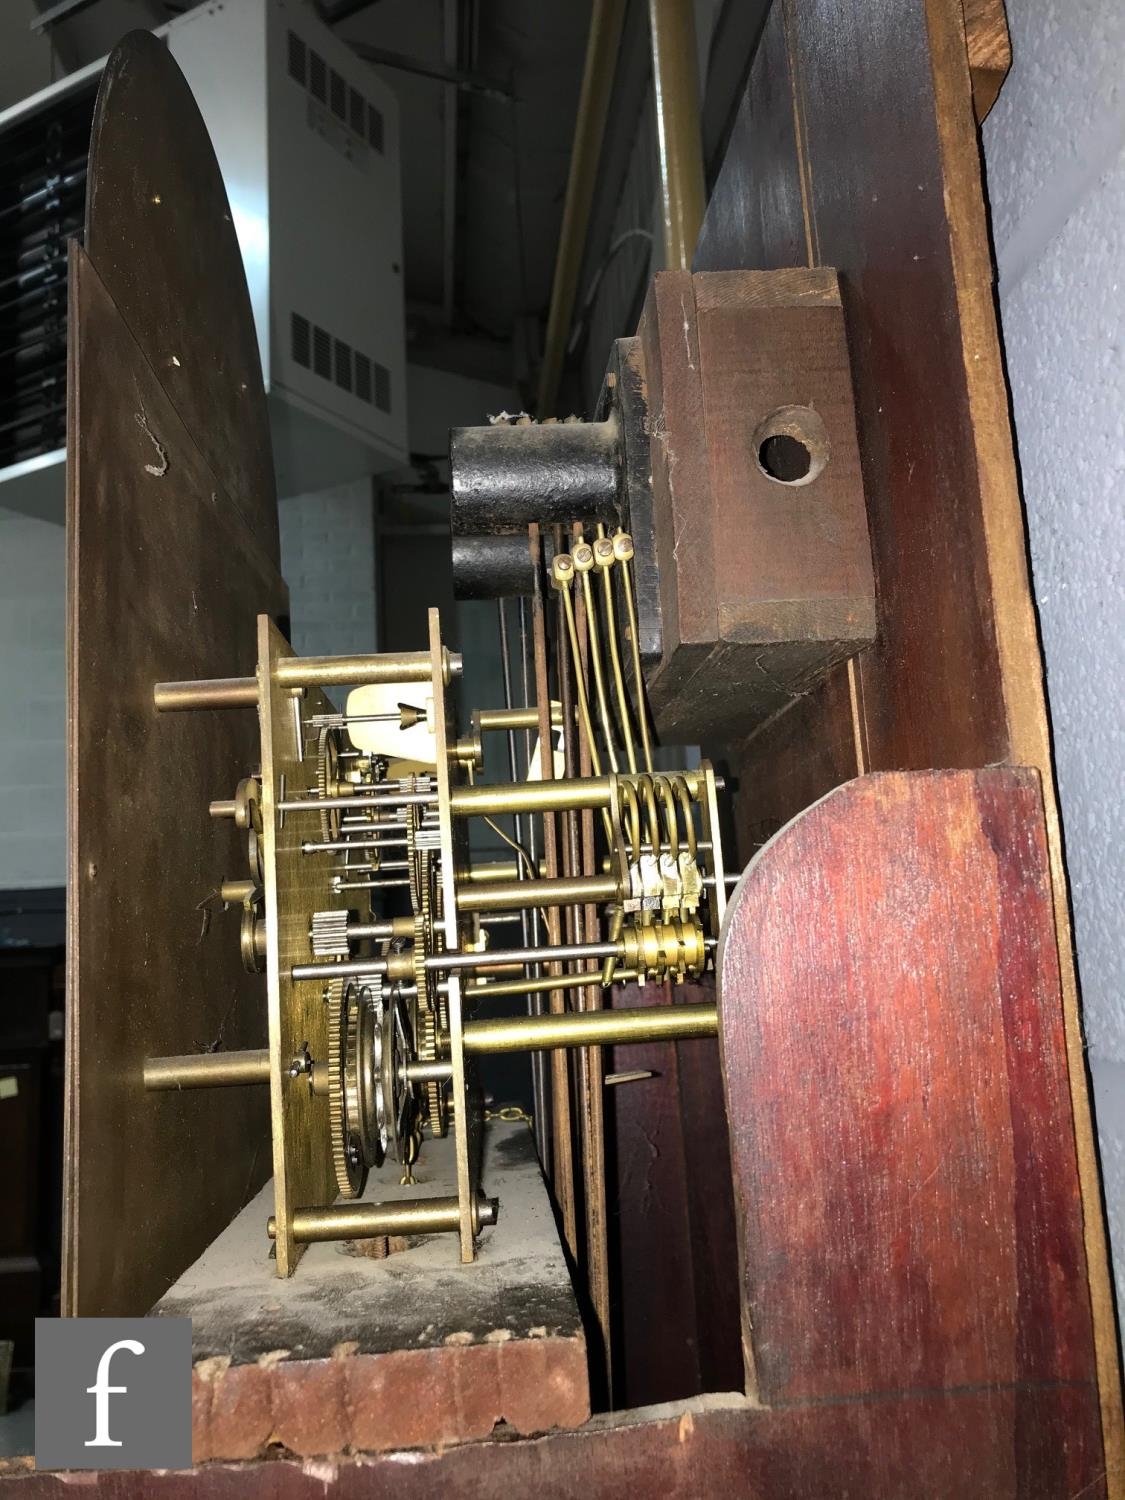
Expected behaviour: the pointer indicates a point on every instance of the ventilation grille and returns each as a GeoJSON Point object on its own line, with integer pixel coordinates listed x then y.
{"type": "Point", "coordinates": [328, 87]}
{"type": "Point", "coordinates": [315, 349]}
{"type": "Point", "coordinates": [42, 205]}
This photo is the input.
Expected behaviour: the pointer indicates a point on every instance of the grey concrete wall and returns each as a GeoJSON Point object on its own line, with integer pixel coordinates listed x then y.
{"type": "Point", "coordinates": [1055, 159]}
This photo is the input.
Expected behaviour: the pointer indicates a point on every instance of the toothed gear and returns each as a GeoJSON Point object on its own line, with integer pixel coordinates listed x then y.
{"type": "Point", "coordinates": [346, 1159]}
{"type": "Point", "coordinates": [436, 1100]}
{"type": "Point", "coordinates": [365, 1119]}
{"type": "Point", "coordinates": [329, 934]}
{"type": "Point", "coordinates": [327, 774]}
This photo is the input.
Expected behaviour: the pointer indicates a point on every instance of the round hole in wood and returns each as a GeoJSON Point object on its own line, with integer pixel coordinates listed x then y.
{"type": "Point", "coordinates": [791, 446]}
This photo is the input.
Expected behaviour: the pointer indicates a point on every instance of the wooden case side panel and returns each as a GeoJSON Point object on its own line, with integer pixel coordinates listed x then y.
{"type": "Point", "coordinates": [163, 583]}
{"type": "Point", "coordinates": [902, 1139]}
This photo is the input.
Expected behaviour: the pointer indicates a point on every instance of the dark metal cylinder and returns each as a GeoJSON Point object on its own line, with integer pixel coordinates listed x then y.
{"type": "Point", "coordinates": [502, 478]}
{"type": "Point", "coordinates": [492, 567]}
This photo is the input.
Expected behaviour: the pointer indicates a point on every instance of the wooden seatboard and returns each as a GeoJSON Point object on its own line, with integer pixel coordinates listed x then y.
{"type": "Point", "coordinates": [163, 583]}
{"type": "Point", "coordinates": [714, 1445]}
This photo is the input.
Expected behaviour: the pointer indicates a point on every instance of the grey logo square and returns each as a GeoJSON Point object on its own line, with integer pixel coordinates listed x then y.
{"type": "Point", "coordinates": [113, 1393]}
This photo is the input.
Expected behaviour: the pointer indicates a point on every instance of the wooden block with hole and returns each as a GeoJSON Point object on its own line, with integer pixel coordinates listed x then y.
{"type": "Point", "coordinates": [760, 522]}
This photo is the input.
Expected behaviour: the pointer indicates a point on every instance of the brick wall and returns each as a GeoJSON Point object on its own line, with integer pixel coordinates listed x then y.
{"type": "Point", "coordinates": [328, 560]}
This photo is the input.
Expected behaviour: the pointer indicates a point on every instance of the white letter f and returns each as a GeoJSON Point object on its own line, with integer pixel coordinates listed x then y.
{"type": "Point", "coordinates": [101, 1390]}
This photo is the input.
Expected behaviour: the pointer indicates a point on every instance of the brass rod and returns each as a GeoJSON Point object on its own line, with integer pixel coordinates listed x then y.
{"type": "Point", "coordinates": [342, 671]}
{"type": "Point", "coordinates": [531, 796]}
{"type": "Point", "coordinates": [615, 663]}
{"type": "Point", "coordinates": [234, 892]}
{"type": "Point", "coordinates": [593, 112]}
{"type": "Point", "coordinates": [223, 807]}
{"type": "Point", "coordinates": [516, 718]}
{"type": "Point", "coordinates": [360, 1221]}
{"type": "Point", "coordinates": [205, 1070]}
{"type": "Point", "coordinates": [525, 986]}
{"type": "Point", "coordinates": [599, 674]}
{"type": "Point", "coordinates": [580, 682]}
{"type": "Point", "coordinates": [562, 1145]}
{"type": "Point", "coordinates": [398, 799]}
{"type": "Point", "coordinates": [214, 692]}
{"type": "Point", "coordinates": [635, 651]}
{"type": "Point", "coordinates": [440, 1071]}
{"type": "Point", "coordinates": [675, 82]}
{"type": "Point", "coordinates": [518, 895]}
{"type": "Point", "coordinates": [503, 869]}
{"type": "Point", "coordinates": [391, 928]}
{"type": "Point", "coordinates": [448, 962]}
{"type": "Point", "coordinates": [591, 1028]}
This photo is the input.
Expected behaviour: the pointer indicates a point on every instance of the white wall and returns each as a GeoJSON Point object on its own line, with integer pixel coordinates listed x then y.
{"type": "Point", "coordinates": [1055, 157]}
{"type": "Point", "coordinates": [32, 703]}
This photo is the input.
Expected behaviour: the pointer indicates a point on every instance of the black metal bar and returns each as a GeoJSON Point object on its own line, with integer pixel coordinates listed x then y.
{"type": "Point", "coordinates": [491, 567]}
{"type": "Point", "coordinates": [504, 477]}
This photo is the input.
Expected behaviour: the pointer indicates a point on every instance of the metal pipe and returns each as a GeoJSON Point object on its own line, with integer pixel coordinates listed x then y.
{"type": "Point", "coordinates": [362, 1221]}
{"type": "Point", "coordinates": [440, 1071]}
{"type": "Point", "coordinates": [206, 1070]}
{"type": "Point", "coordinates": [214, 692]}
{"type": "Point", "coordinates": [398, 799]}
{"type": "Point", "coordinates": [395, 927]}
{"type": "Point", "coordinates": [341, 671]}
{"type": "Point", "coordinates": [551, 981]}
{"type": "Point", "coordinates": [447, 962]}
{"type": "Point", "coordinates": [675, 81]}
{"type": "Point", "coordinates": [531, 796]}
{"type": "Point", "coordinates": [516, 718]}
{"type": "Point", "coordinates": [646, 1023]}
{"type": "Point", "coordinates": [593, 112]}
{"type": "Point", "coordinates": [503, 477]}
{"type": "Point", "coordinates": [343, 846]}
{"type": "Point", "coordinates": [503, 869]}
{"type": "Point", "coordinates": [520, 895]}
{"type": "Point", "coordinates": [539, 1061]}
{"type": "Point", "coordinates": [524, 986]}
{"type": "Point", "coordinates": [591, 1028]}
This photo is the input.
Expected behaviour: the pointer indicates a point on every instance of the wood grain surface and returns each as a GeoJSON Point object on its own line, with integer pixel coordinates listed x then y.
{"type": "Point", "coordinates": [765, 584]}
{"type": "Point", "coordinates": [671, 1216]}
{"type": "Point", "coordinates": [164, 583]}
{"type": "Point", "coordinates": [901, 1133]}
{"type": "Point", "coordinates": [160, 230]}
{"type": "Point", "coordinates": [989, 49]}
{"type": "Point", "coordinates": [956, 677]}
{"type": "Point", "coordinates": [717, 1445]}
{"type": "Point", "coordinates": [407, 1350]}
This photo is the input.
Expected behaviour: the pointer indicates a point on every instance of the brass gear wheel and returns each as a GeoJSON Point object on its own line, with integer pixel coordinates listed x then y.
{"type": "Point", "coordinates": [347, 1160]}
{"type": "Point", "coordinates": [327, 781]}
{"type": "Point", "coordinates": [365, 1112]}
{"type": "Point", "coordinates": [437, 1108]}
